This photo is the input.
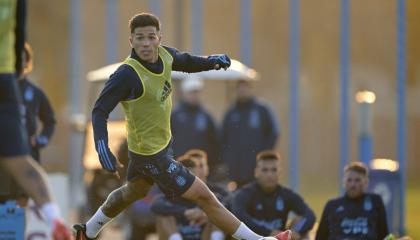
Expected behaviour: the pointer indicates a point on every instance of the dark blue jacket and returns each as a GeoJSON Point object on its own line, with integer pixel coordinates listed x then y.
{"type": "Point", "coordinates": [248, 128]}
{"type": "Point", "coordinates": [37, 107]}
{"type": "Point", "coordinates": [193, 127]}
{"type": "Point", "coordinates": [347, 218]}
{"type": "Point", "coordinates": [264, 212]}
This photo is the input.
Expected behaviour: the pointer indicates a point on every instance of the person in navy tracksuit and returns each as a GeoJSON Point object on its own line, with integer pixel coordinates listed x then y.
{"type": "Point", "coordinates": [249, 127]}
{"type": "Point", "coordinates": [264, 205]}
{"type": "Point", "coordinates": [192, 125]}
{"type": "Point", "coordinates": [357, 214]}
{"type": "Point", "coordinates": [37, 106]}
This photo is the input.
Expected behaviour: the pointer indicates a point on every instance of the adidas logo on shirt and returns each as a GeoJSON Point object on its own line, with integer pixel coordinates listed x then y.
{"type": "Point", "coordinates": [167, 89]}
{"type": "Point", "coordinates": [339, 209]}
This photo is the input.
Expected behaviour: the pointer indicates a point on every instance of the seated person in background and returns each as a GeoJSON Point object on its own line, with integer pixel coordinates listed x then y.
{"type": "Point", "coordinates": [264, 205]}
{"type": "Point", "coordinates": [179, 218]}
{"type": "Point", "coordinates": [357, 214]}
{"type": "Point", "coordinates": [219, 190]}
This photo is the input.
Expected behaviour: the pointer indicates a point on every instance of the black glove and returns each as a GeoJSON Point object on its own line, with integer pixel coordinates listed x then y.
{"type": "Point", "coordinates": [219, 61]}
{"type": "Point", "coordinates": [106, 158]}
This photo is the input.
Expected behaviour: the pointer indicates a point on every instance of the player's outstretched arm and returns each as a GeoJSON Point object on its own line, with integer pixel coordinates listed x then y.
{"type": "Point", "coordinates": [189, 63]}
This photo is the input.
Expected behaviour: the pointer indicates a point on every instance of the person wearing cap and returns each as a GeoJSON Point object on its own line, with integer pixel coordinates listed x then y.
{"type": "Point", "coordinates": [249, 126]}
{"type": "Point", "coordinates": [192, 125]}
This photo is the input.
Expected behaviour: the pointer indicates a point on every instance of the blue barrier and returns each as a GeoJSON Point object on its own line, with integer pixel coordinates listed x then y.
{"type": "Point", "coordinates": [12, 221]}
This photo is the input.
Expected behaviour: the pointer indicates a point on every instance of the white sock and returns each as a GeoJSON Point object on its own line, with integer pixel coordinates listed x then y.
{"type": "Point", "coordinates": [217, 235]}
{"type": "Point", "coordinates": [51, 212]}
{"type": "Point", "coordinates": [243, 232]}
{"type": "Point", "coordinates": [96, 223]}
{"type": "Point", "coordinates": [175, 236]}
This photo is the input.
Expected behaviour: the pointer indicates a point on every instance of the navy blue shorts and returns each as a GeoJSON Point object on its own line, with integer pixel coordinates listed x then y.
{"type": "Point", "coordinates": [172, 177]}
{"type": "Point", "coordinates": [13, 136]}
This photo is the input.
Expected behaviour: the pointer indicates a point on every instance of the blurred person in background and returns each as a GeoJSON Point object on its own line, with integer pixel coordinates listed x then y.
{"type": "Point", "coordinates": [179, 218]}
{"type": "Point", "coordinates": [143, 85]}
{"type": "Point", "coordinates": [37, 106]}
{"type": "Point", "coordinates": [14, 149]}
{"type": "Point", "coordinates": [357, 214]}
{"type": "Point", "coordinates": [192, 126]}
{"type": "Point", "coordinates": [202, 159]}
{"type": "Point", "coordinates": [264, 205]}
{"type": "Point", "coordinates": [249, 127]}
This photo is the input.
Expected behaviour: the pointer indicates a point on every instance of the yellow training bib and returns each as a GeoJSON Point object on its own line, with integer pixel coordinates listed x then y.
{"type": "Point", "coordinates": [148, 117]}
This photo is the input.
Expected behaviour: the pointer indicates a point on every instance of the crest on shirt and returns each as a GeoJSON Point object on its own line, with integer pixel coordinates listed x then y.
{"type": "Point", "coordinates": [254, 119]}
{"type": "Point", "coordinates": [171, 168]}
{"type": "Point", "coordinates": [200, 122]}
{"type": "Point", "coordinates": [29, 94]}
{"type": "Point", "coordinates": [279, 204]}
{"type": "Point", "coordinates": [367, 205]}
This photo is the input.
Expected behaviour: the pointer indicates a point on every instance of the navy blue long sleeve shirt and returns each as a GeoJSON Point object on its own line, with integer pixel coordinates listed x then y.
{"type": "Point", "coordinates": [359, 218]}
{"type": "Point", "coordinates": [37, 107]}
{"type": "Point", "coordinates": [124, 84]}
{"type": "Point", "coordinates": [264, 212]}
{"type": "Point", "coordinates": [248, 128]}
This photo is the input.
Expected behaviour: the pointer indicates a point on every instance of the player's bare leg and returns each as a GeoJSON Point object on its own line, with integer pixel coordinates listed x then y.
{"type": "Point", "coordinates": [122, 197]}
{"type": "Point", "coordinates": [32, 178]}
{"type": "Point", "coordinates": [117, 201]}
{"type": "Point", "coordinates": [219, 215]}
{"type": "Point", "coordinates": [216, 212]}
